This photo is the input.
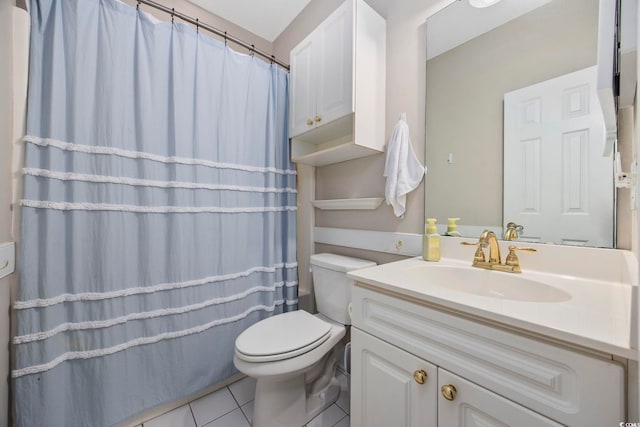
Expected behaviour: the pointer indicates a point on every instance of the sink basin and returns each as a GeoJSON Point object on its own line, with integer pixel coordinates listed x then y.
{"type": "Point", "coordinates": [486, 283]}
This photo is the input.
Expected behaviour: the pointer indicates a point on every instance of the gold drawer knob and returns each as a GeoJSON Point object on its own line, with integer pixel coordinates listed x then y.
{"type": "Point", "coordinates": [449, 391]}
{"type": "Point", "coordinates": [420, 376]}
{"type": "Point", "coordinates": [309, 122]}
{"type": "Point", "coordinates": [317, 118]}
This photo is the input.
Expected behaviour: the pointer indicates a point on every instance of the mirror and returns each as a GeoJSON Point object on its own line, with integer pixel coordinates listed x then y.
{"type": "Point", "coordinates": [497, 77]}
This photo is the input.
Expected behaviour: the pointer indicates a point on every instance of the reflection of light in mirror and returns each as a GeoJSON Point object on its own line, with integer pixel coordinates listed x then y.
{"type": "Point", "coordinates": [461, 22]}
{"type": "Point", "coordinates": [482, 3]}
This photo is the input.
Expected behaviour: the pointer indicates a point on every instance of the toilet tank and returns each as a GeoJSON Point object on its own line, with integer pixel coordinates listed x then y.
{"type": "Point", "coordinates": [331, 287]}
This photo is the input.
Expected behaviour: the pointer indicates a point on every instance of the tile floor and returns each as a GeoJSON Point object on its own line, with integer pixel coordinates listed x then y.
{"type": "Point", "coordinates": [232, 406]}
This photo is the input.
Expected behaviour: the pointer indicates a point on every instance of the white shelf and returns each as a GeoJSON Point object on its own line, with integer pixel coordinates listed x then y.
{"type": "Point", "coordinates": [368, 203]}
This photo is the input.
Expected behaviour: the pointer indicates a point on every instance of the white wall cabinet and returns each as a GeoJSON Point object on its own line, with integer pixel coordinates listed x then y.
{"type": "Point", "coordinates": [302, 88]}
{"type": "Point", "coordinates": [501, 378]}
{"type": "Point", "coordinates": [321, 74]}
{"type": "Point", "coordinates": [331, 118]}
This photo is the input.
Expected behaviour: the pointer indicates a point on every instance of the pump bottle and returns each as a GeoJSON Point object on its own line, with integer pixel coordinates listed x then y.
{"type": "Point", "coordinates": [452, 227]}
{"type": "Point", "coordinates": [431, 241]}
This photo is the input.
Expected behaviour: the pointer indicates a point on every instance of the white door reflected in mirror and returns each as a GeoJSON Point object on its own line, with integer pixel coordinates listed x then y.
{"type": "Point", "coordinates": [556, 180]}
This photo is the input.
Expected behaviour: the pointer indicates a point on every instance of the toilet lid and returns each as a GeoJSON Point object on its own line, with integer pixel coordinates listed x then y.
{"type": "Point", "coordinates": [282, 336]}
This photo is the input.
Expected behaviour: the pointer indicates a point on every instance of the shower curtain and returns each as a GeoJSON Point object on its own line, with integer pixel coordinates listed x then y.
{"type": "Point", "coordinates": [158, 212]}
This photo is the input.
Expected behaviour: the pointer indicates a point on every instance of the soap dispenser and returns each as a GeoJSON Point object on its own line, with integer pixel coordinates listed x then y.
{"type": "Point", "coordinates": [431, 241]}
{"type": "Point", "coordinates": [452, 227]}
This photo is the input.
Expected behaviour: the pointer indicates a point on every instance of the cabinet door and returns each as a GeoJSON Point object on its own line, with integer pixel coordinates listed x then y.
{"type": "Point", "coordinates": [384, 391]}
{"type": "Point", "coordinates": [302, 88]}
{"type": "Point", "coordinates": [334, 65]}
{"type": "Point", "coordinates": [474, 406]}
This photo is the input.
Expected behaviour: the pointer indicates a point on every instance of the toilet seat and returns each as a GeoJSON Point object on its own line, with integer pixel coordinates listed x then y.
{"type": "Point", "coordinates": [282, 337]}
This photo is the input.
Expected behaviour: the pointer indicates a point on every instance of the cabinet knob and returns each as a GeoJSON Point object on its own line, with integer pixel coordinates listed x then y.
{"type": "Point", "coordinates": [309, 122]}
{"type": "Point", "coordinates": [420, 376]}
{"type": "Point", "coordinates": [317, 118]}
{"type": "Point", "coordinates": [449, 391]}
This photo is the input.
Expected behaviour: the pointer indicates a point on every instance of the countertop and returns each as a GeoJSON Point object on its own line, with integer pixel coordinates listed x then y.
{"type": "Point", "coordinates": [596, 314]}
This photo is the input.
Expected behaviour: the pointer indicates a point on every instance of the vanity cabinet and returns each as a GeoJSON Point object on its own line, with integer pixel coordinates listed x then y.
{"type": "Point", "coordinates": [331, 118]}
{"type": "Point", "coordinates": [402, 390]}
{"type": "Point", "coordinates": [473, 405]}
{"type": "Point", "coordinates": [500, 377]}
{"type": "Point", "coordinates": [387, 392]}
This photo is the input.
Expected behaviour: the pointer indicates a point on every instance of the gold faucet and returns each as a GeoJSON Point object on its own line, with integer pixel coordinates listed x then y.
{"type": "Point", "coordinates": [511, 233]}
{"type": "Point", "coordinates": [488, 238]}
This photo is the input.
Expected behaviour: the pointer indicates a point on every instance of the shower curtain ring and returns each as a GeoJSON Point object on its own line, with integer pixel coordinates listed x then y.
{"type": "Point", "coordinates": [197, 25]}
{"type": "Point", "coordinates": [253, 50]}
{"type": "Point", "coordinates": [273, 59]}
{"type": "Point", "coordinates": [173, 13]}
{"type": "Point", "coordinates": [225, 38]}
{"type": "Point", "coordinates": [138, 6]}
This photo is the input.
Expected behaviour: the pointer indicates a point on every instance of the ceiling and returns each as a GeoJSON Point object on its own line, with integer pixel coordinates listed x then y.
{"type": "Point", "coordinates": [269, 18]}
{"type": "Point", "coordinates": [266, 18]}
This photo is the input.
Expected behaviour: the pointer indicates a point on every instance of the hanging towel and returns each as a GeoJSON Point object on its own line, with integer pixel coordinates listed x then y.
{"type": "Point", "coordinates": [402, 169]}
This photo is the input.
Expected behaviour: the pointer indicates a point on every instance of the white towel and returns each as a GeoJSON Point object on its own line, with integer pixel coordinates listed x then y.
{"type": "Point", "coordinates": [402, 168]}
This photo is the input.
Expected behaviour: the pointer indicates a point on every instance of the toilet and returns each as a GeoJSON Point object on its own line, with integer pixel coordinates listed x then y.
{"type": "Point", "coordinates": [292, 355]}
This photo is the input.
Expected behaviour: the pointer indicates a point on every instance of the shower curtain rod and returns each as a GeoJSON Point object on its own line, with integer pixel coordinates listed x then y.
{"type": "Point", "coordinates": [198, 24]}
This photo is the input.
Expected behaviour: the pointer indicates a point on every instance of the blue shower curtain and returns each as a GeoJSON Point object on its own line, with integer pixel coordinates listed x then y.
{"type": "Point", "coordinates": [158, 216]}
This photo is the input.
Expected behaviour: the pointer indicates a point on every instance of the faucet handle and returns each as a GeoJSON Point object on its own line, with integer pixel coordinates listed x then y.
{"type": "Point", "coordinates": [512, 258]}
{"type": "Point", "coordinates": [515, 248]}
{"type": "Point", "coordinates": [479, 255]}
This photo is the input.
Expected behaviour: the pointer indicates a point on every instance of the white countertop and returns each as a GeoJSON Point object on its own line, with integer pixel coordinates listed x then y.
{"type": "Point", "coordinates": [597, 314]}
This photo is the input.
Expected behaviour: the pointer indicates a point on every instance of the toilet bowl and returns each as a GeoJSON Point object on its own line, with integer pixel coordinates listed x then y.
{"type": "Point", "coordinates": [292, 355]}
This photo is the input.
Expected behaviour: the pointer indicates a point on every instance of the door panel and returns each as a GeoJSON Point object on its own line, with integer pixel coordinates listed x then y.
{"type": "Point", "coordinates": [474, 406]}
{"type": "Point", "coordinates": [334, 62]}
{"type": "Point", "coordinates": [383, 389]}
{"type": "Point", "coordinates": [302, 95]}
{"type": "Point", "coordinates": [556, 181]}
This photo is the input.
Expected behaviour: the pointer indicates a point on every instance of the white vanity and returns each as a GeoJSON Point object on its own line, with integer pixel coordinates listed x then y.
{"type": "Point", "coordinates": [443, 344]}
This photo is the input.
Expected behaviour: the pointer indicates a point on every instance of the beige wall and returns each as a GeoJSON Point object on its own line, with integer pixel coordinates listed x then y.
{"type": "Point", "coordinates": [20, 71]}
{"type": "Point", "coordinates": [5, 118]}
{"type": "Point", "coordinates": [5, 192]}
{"type": "Point", "coordinates": [465, 87]}
{"type": "Point", "coordinates": [406, 46]}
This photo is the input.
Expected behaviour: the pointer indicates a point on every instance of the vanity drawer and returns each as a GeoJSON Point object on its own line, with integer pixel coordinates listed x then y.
{"type": "Point", "coordinates": [565, 385]}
